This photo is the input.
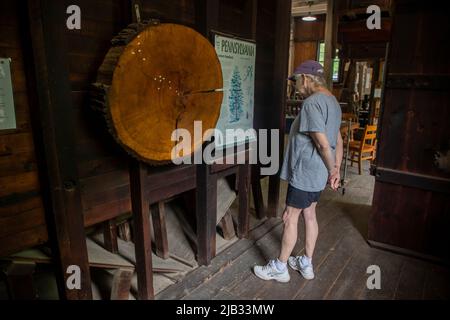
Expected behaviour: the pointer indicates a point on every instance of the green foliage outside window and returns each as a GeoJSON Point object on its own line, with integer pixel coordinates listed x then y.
{"type": "Point", "coordinates": [336, 62]}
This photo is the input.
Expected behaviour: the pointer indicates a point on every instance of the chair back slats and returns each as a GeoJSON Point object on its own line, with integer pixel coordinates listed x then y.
{"type": "Point", "coordinates": [369, 137]}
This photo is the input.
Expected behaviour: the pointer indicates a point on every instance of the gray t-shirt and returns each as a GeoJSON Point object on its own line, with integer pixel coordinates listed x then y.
{"type": "Point", "coordinates": [303, 167]}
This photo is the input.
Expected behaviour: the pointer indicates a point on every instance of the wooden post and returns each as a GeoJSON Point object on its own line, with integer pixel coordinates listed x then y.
{"type": "Point", "coordinates": [291, 65]}
{"type": "Point", "coordinates": [64, 215]}
{"type": "Point", "coordinates": [206, 16]}
{"type": "Point", "coordinates": [206, 212]}
{"type": "Point", "coordinates": [251, 10]}
{"type": "Point", "coordinates": [159, 229]}
{"type": "Point", "coordinates": [257, 192]}
{"type": "Point", "coordinates": [283, 18]}
{"type": "Point", "coordinates": [142, 236]}
{"type": "Point", "coordinates": [328, 64]}
{"type": "Point", "coordinates": [375, 76]}
{"type": "Point", "coordinates": [243, 192]}
{"type": "Point", "coordinates": [110, 236]}
{"type": "Point", "coordinates": [207, 19]}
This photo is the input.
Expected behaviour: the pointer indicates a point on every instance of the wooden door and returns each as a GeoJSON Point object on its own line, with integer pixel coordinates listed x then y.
{"type": "Point", "coordinates": [411, 210]}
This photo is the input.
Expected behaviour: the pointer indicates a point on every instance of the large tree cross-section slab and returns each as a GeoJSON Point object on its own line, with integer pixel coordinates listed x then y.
{"type": "Point", "coordinates": [157, 78]}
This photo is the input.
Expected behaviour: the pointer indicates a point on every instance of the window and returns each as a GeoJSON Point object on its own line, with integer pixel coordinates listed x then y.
{"type": "Point", "coordinates": [336, 61]}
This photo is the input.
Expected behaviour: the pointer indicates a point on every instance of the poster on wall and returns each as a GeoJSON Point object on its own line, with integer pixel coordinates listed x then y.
{"type": "Point", "coordinates": [7, 113]}
{"type": "Point", "coordinates": [237, 58]}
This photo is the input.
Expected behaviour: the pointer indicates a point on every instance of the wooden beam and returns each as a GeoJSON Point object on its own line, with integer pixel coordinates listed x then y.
{"type": "Point", "coordinates": [319, 8]}
{"type": "Point", "coordinates": [63, 201]}
{"type": "Point", "coordinates": [243, 193]}
{"type": "Point", "coordinates": [160, 229]}
{"type": "Point", "coordinates": [251, 10]}
{"type": "Point", "coordinates": [142, 236]}
{"type": "Point", "coordinates": [282, 32]}
{"type": "Point", "coordinates": [207, 19]}
{"type": "Point", "coordinates": [412, 179]}
{"type": "Point", "coordinates": [373, 101]}
{"type": "Point", "coordinates": [291, 66]}
{"type": "Point", "coordinates": [356, 32]}
{"type": "Point", "coordinates": [110, 236]}
{"type": "Point", "coordinates": [206, 212]}
{"type": "Point", "coordinates": [206, 16]}
{"type": "Point", "coordinates": [328, 64]}
{"type": "Point", "coordinates": [257, 192]}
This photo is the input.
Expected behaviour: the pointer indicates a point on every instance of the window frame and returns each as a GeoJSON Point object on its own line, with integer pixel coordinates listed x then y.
{"type": "Point", "coordinates": [339, 73]}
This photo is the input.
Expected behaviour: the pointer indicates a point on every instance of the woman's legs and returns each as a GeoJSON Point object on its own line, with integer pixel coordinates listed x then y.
{"type": "Point", "coordinates": [311, 229]}
{"type": "Point", "coordinates": [290, 219]}
{"type": "Point", "coordinates": [290, 233]}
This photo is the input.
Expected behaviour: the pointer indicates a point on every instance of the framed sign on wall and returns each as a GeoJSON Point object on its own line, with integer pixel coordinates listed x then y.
{"type": "Point", "coordinates": [237, 59]}
{"type": "Point", "coordinates": [7, 113]}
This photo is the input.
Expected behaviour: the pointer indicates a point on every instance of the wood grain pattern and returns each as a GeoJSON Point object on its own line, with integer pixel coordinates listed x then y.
{"type": "Point", "coordinates": [21, 207]}
{"type": "Point", "coordinates": [166, 78]}
{"type": "Point", "coordinates": [415, 216]}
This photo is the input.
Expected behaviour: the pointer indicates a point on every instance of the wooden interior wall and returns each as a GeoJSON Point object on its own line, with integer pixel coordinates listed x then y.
{"type": "Point", "coordinates": [232, 17]}
{"type": "Point", "coordinates": [102, 165]}
{"type": "Point", "coordinates": [305, 50]}
{"type": "Point", "coordinates": [358, 42]}
{"type": "Point", "coordinates": [307, 36]}
{"type": "Point", "coordinates": [181, 12]}
{"type": "Point", "coordinates": [22, 221]}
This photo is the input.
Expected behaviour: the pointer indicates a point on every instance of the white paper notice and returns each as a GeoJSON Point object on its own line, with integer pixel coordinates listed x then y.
{"type": "Point", "coordinates": [7, 114]}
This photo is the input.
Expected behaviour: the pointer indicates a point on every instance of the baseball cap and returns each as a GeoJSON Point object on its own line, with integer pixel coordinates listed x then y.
{"type": "Point", "coordinates": [308, 67]}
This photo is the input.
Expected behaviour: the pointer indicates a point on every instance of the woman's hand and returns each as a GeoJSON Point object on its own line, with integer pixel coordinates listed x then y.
{"type": "Point", "coordinates": [334, 178]}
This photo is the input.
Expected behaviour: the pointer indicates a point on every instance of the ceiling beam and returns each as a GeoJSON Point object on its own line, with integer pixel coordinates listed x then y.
{"type": "Point", "coordinates": [319, 8]}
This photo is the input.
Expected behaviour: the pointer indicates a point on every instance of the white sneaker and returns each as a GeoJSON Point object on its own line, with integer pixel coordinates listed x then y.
{"type": "Point", "coordinates": [270, 272]}
{"type": "Point", "coordinates": [305, 269]}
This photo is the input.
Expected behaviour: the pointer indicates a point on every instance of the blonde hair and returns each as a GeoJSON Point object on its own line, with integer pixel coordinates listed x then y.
{"type": "Point", "coordinates": [318, 81]}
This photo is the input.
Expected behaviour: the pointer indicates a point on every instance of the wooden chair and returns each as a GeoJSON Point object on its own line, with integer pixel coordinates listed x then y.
{"type": "Point", "coordinates": [350, 117]}
{"type": "Point", "coordinates": [364, 149]}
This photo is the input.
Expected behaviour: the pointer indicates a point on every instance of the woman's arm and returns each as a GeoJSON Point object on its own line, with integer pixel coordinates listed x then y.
{"type": "Point", "coordinates": [332, 163]}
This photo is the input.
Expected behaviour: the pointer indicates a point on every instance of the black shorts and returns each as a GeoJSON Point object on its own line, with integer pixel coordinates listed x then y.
{"type": "Point", "coordinates": [300, 199]}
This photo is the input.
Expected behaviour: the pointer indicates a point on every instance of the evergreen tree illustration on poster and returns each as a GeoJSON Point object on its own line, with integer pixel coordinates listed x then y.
{"type": "Point", "coordinates": [236, 97]}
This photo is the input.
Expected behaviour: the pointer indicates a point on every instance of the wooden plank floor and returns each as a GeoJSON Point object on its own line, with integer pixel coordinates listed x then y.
{"type": "Point", "coordinates": [341, 259]}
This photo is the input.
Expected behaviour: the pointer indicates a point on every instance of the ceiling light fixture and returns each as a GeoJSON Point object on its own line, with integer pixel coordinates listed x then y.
{"type": "Point", "coordinates": [309, 17]}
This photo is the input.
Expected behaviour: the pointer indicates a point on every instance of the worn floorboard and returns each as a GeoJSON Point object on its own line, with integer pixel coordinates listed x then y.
{"type": "Point", "coordinates": [412, 281]}
{"type": "Point", "coordinates": [341, 259]}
